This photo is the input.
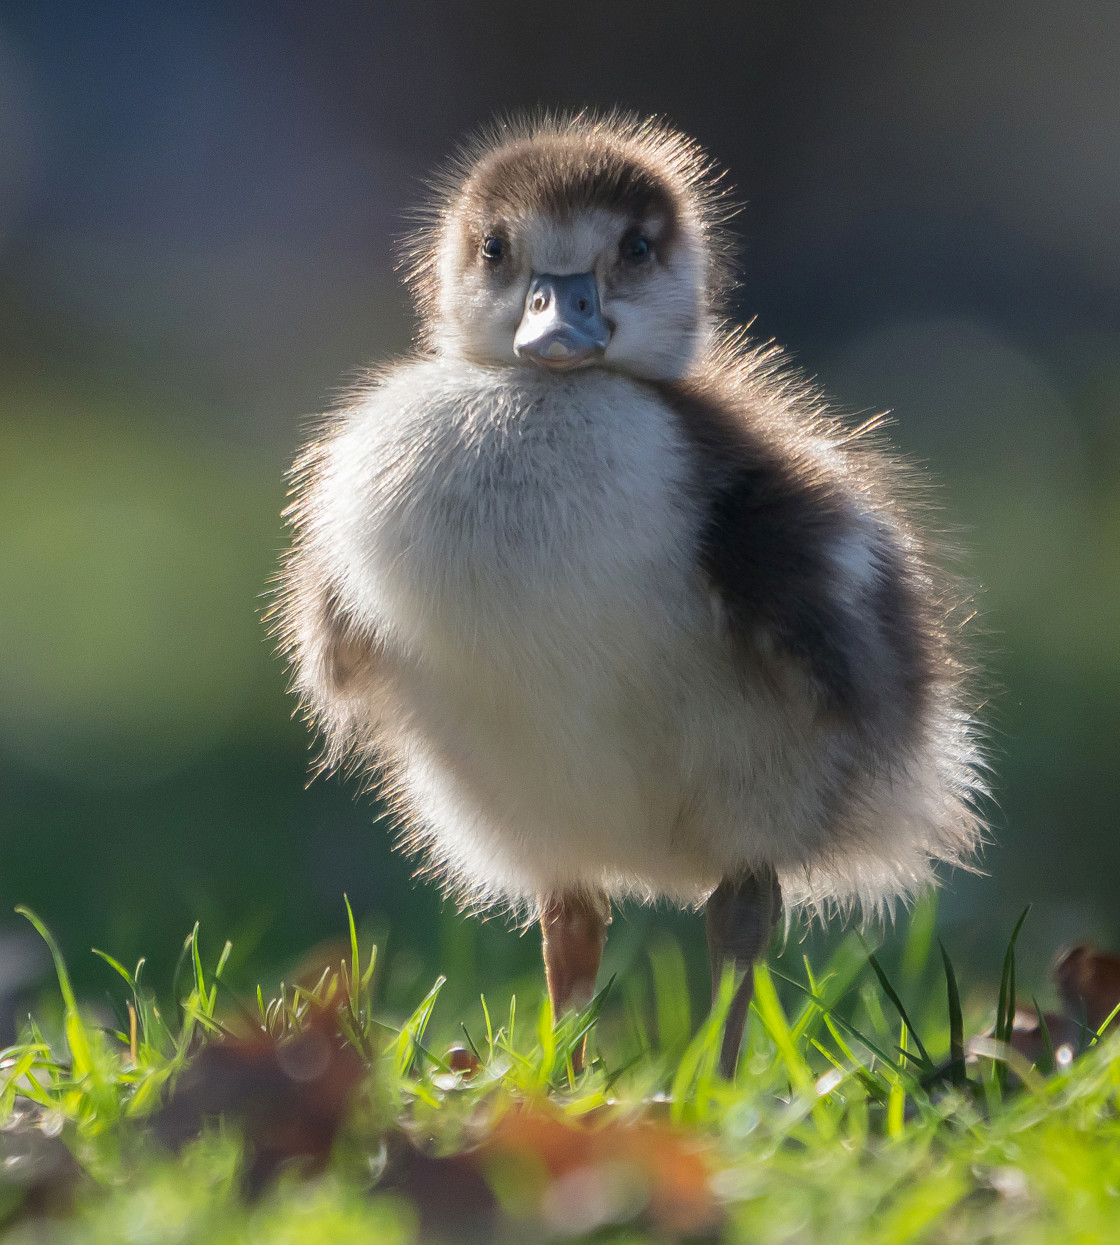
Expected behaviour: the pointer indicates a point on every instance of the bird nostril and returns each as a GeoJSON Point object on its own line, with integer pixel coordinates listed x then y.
{"type": "Point", "coordinates": [539, 302]}
{"type": "Point", "coordinates": [582, 305]}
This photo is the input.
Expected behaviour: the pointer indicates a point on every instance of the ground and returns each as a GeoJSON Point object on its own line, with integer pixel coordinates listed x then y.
{"type": "Point", "coordinates": [312, 1117]}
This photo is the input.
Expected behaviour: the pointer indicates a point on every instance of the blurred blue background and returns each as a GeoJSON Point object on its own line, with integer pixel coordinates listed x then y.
{"type": "Point", "coordinates": [197, 207]}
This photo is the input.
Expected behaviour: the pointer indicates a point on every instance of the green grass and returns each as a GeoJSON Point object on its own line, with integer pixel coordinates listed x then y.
{"type": "Point", "coordinates": [850, 1121]}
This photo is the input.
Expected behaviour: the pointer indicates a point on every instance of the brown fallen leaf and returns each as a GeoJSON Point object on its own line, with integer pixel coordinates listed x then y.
{"type": "Point", "coordinates": [1089, 982]}
{"type": "Point", "coordinates": [289, 1097]}
{"type": "Point", "coordinates": [577, 1177]}
{"type": "Point", "coordinates": [36, 1166]}
{"type": "Point", "coordinates": [452, 1198]}
{"type": "Point", "coordinates": [1029, 1040]}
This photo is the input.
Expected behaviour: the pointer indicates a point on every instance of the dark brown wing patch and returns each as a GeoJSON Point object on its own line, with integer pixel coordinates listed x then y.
{"type": "Point", "coordinates": [775, 516]}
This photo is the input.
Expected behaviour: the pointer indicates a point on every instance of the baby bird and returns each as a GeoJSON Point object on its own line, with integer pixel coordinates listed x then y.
{"type": "Point", "coordinates": [603, 594]}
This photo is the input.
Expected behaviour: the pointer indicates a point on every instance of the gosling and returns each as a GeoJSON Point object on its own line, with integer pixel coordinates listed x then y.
{"type": "Point", "coordinates": [605, 597]}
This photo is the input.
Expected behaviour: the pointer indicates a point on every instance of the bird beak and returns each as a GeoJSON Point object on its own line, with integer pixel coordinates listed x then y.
{"type": "Point", "coordinates": [562, 326]}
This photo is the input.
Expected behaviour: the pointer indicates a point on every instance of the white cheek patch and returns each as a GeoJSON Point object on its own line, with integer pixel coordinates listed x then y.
{"type": "Point", "coordinates": [660, 323]}
{"type": "Point", "coordinates": [476, 319]}
{"type": "Point", "coordinates": [658, 329]}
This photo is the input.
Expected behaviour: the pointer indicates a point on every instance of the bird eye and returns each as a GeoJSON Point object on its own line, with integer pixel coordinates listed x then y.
{"type": "Point", "coordinates": [493, 248]}
{"type": "Point", "coordinates": [635, 248]}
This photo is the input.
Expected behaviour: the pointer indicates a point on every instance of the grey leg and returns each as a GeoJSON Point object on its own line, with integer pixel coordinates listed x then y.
{"type": "Point", "coordinates": [740, 917]}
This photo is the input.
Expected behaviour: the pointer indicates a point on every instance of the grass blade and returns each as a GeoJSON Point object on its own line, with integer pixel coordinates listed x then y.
{"type": "Point", "coordinates": [1105, 1023]}
{"type": "Point", "coordinates": [957, 1071]}
{"type": "Point", "coordinates": [896, 1099]}
{"type": "Point", "coordinates": [835, 1022]}
{"type": "Point", "coordinates": [1005, 1006]}
{"type": "Point", "coordinates": [355, 959]}
{"type": "Point", "coordinates": [670, 995]}
{"type": "Point", "coordinates": [698, 1061]}
{"type": "Point", "coordinates": [412, 1033]}
{"type": "Point", "coordinates": [896, 1002]}
{"type": "Point", "coordinates": [774, 1019]}
{"type": "Point", "coordinates": [919, 940]}
{"type": "Point", "coordinates": [1051, 1061]}
{"type": "Point", "coordinates": [81, 1052]}
{"type": "Point", "coordinates": [116, 965]}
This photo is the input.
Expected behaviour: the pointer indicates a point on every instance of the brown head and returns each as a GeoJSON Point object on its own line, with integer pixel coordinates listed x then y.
{"type": "Point", "coordinates": [574, 242]}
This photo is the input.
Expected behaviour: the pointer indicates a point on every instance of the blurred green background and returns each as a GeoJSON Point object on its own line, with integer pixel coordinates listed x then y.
{"type": "Point", "coordinates": [197, 206]}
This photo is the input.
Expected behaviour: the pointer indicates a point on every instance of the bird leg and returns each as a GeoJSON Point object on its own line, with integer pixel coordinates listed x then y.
{"type": "Point", "coordinates": [573, 931]}
{"type": "Point", "coordinates": [740, 917]}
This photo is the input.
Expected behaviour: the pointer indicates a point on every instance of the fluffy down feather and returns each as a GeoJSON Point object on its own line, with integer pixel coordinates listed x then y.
{"type": "Point", "coordinates": [622, 629]}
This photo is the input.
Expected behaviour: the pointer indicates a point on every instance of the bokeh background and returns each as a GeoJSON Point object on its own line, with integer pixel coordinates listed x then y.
{"type": "Point", "coordinates": [197, 208]}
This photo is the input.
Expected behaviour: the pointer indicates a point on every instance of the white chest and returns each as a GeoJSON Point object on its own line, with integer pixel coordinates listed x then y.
{"type": "Point", "coordinates": [526, 551]}
{"type": "Point", "coordinates": [477, 514]}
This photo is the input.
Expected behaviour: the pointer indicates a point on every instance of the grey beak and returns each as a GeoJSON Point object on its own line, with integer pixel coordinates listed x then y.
{"type": "Point", "coordinates": [562, 326]}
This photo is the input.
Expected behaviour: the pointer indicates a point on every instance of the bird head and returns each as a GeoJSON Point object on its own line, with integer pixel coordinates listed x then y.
{"type": "Point", "coordinates": [574, 242]}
